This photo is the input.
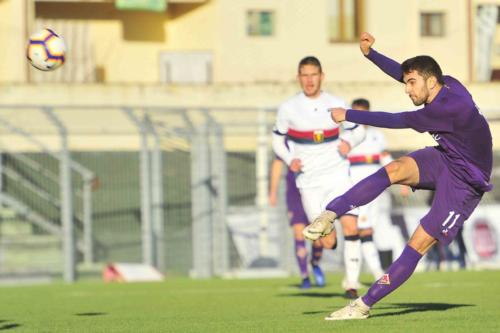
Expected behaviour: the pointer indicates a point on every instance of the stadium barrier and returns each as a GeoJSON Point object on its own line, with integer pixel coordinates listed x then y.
{"type": "Point", "coordinates": [167, 187]}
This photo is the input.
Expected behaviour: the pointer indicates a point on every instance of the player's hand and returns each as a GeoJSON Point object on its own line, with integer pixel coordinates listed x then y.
{"type": "Point", "coordinates": [365, 42]}
{"type": "Point", "coordinates": [337, 114]}
{"type": "Point", "coordinates": [344, 148]}
{"type": "Point", "coordinates": [296, 165]}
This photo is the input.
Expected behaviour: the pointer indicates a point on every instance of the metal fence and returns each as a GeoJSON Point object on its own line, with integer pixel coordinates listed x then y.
{"type": "Point", "coordinates": [184, 190]}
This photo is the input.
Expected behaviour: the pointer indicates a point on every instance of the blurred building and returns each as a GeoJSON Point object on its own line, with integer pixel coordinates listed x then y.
{"type": "Point", "coordinates": [247, 41]}
{"type": "Point", "coordinates": [241, 53]}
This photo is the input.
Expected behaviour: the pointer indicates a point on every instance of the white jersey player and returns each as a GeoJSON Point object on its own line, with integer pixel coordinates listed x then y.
{"type": "Point", "coordinates": [366, 159]}
{"type": "Point", "coordinates": [317, 154]}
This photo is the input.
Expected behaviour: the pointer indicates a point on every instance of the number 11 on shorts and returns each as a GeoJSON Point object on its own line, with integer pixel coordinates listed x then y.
{"type": "Point", "coordinates": [451, 215]}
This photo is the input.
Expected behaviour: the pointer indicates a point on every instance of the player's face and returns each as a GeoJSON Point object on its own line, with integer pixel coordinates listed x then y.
{"type": "Point", "coordinates": [416, 87]}
{"type": "Point", "coordinates": [310, 79]}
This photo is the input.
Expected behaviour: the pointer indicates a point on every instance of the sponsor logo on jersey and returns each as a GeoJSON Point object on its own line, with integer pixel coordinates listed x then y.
{"type": "Point", "coordinates": [319, 136]}
{"type": "Point", "coordinates": [436, 136]}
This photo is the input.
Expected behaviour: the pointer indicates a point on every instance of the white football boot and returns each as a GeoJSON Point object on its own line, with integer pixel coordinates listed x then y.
{"type": "Point", "coordinates": [321, 226]}
{"type": "Point", "coordinates": [355, 310]}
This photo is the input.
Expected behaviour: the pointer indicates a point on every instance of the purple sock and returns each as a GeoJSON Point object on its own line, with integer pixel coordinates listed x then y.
{"type": "Point", "coordinates": [317, 253]}
{"type": "Point", "coordinates": [300, 247]}
{"type": "Point", "coordinates": [396, 274]}
{"type": "Point", "coordinates": [361, 193]}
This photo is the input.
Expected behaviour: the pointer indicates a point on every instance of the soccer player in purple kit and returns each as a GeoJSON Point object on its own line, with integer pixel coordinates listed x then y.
{"type": "Point", "coordinates": [298, 221]}
{"type": "Point", "coordinates": [458, 169]}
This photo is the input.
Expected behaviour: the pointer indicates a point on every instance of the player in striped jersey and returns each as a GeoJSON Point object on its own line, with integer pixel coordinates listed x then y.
{"type": "Point", "coordinates": [317, 156]}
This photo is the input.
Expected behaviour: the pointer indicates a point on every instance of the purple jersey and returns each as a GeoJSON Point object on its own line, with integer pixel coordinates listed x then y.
{"type": "Point", "coordinates": [294, 205]}
{"type": "Point", "coordinates": [452, 119]}
{"type": "Point", "coordinates": [294, 201]}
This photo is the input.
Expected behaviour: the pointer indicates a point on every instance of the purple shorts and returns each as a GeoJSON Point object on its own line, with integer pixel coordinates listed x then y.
{"type": "Point", "coordinates": [296, 212]}
{"type": "Point", "coordinates": [454, 200]}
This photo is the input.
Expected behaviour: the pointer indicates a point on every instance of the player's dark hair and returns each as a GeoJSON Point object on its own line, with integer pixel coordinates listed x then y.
{"type": "Point", "coordinates": [425, 66]}
{"type": "Point", "coordinates": [362, 102]}
{"type": "Point", "coordinates": [310, 60]}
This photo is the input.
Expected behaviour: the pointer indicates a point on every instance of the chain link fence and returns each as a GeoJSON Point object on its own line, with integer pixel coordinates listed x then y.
{"type": "Point", "coordinates": [184, 190]}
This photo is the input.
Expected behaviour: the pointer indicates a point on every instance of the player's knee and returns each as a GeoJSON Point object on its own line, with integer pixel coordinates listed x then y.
{"type": "Point", "coordinates": [329, 243]}
{"type": "Point", "coordinates": [350, 230]}
{"type": "Point", "coordinates": [366, 238]}
{"type": "Point", "coordinates": [404, 171]}
{"type": "Point", "coordinates": [393, 170]}
{"type": "Point", "coordinates": [365, 232]}
{"type": "Point", "coordinates": [301, 252]}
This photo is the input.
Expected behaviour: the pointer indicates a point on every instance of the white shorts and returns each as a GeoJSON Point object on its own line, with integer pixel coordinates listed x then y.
{"type": "Point", "coordinates": [328, 187]}
{"type": "Point", "coordinates": [370, 213]}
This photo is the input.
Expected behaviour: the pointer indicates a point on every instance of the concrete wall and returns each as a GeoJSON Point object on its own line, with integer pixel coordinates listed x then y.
{"type": "Point", "coordinates": [91, 124]}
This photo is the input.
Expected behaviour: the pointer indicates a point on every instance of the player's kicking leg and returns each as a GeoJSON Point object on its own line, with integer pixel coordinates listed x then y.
{"type": "Point", "coordinates": [396, 275]}
{"type": "Point", "coordinates": [401, 171]}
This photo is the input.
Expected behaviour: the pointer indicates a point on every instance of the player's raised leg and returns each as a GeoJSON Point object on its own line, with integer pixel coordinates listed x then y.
{"type": "Point", "coordinates": [401, 171]}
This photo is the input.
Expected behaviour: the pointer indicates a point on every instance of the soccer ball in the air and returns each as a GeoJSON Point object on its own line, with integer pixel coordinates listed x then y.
{"type": "Point", "coordinates": [46, 50]}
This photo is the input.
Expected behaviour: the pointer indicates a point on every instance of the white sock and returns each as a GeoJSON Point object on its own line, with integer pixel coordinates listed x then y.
{"type": "Point", "coordinates": [370, 255]}
{"type": "Point", "coordinates": [352, 262]}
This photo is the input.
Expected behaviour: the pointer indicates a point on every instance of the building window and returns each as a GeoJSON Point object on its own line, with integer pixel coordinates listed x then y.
{"type": "Point", "coordinates": [345, 20]}
{"type": "Point", "coordinates": [432, 24]}
{"type": "Point", "coordinates": [260, 23]}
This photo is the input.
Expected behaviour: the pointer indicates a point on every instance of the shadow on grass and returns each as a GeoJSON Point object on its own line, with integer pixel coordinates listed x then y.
{"type": "Point", "coordinates": [312, 294]}
{"type": "Point", "coordinates": [9, 326]}
{"type": "Point", "coordinates": [404, 308]}
{"type": "Point", "coordinates": [90, 314]}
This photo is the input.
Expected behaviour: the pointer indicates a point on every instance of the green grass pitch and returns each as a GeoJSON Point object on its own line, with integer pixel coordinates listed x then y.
{"type": "Point", "coordinates": [428, 302]}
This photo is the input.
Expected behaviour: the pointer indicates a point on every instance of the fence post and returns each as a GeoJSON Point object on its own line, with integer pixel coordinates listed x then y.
{"type": "Point", "coordinates": [200, 204]}
{"type": "Point", "coordinates": [219, 173]}
{"type": "Point", "coordinates": [146, 222]}
{"type": "Point", "coordinates": [88, 231]}
{"type": "Point", "coordinates": [1, 178]}
{"type": "Point", "coordinates": [262, 165]}
{"type": "Point", "coordinates": [66, 193]}
{"type": "Point", "coordinates": [157, 197]}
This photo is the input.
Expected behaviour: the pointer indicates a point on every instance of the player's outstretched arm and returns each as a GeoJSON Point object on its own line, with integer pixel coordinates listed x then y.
{"type": "Point", "coordinates": [372, 118]}
{"type": "Point", "coordinates": [386, 64]}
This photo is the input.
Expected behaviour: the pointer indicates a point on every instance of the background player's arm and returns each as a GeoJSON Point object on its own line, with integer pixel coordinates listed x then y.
{"type": "Point", "coordinates": [276, 170]}
{"type": "Point", "coordinates": [351, 136]}
{"type": "Point", "coordinates": [279, 136]}
{"type": "Point", "coordinates": [280, 148]}
{"type": "Point", "coordinates": [387, 65]}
